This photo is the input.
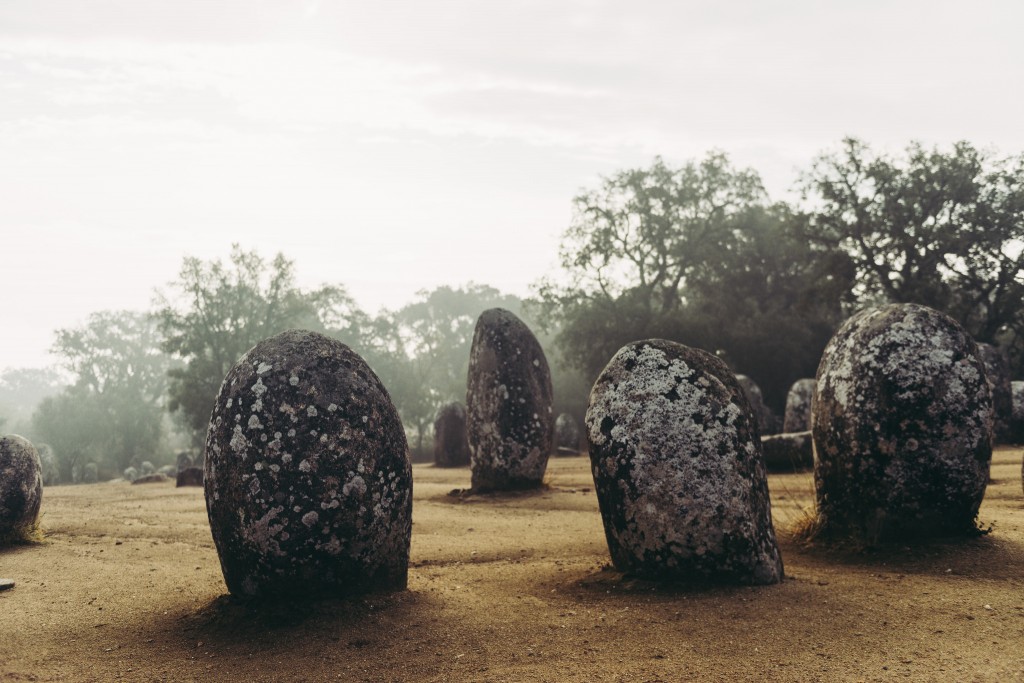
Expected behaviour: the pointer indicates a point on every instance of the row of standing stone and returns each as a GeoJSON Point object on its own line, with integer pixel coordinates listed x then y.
{"type": "Point", "coordinates": [309, 489]}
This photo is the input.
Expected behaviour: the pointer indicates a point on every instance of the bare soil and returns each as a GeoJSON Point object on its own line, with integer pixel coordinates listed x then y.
{"type": "Point", "coordinates": [127, 586]}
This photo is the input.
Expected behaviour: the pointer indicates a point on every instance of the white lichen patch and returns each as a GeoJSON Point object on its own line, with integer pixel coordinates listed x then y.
{"type": "Point", "coordinates": [677, 469]}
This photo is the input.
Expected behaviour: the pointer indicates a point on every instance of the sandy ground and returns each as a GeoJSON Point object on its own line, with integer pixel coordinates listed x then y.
{"type": "Point", "coordinates": [127, 587]}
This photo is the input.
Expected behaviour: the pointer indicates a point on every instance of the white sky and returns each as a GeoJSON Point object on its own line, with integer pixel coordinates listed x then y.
{"type": "Point", "coordinates": [395, 145]}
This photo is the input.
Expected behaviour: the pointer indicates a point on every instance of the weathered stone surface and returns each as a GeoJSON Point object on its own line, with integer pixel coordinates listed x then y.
{"type": "Point", "coordinates": [902, 426]}
{"type": "Point", "coordinates": [788, 452]}
{"type": "Point", "coordinates": [567, 435]}
{"type": "Point", "coordinates": [190, 476]}
{"type": "Point", "coordinates": [90, 473]}
{"type": "Point", "coordinates": [798, 407]}
{"type": "Point", "coordinates": [1017, 419]}
{"type": "Point", "coordinates": [130, 474]}
{"type": "Point", "coordinates": [508, 404]}
{"type": "Point", "coordinates": [766, 419]}
{"type": "Point", "coordinates": [155, 478]}
{"type": "Point", "coordinates": [21, 484]}
{"type": "Point", "coordinates": [6, 584]}
{"type": "Point", "coordinates": [997, 369]}
{"type": "Point", "coordinates": [146, 468]}
{"type": "Point", "coordinates": [678, 470]}
{"type": "Point", "coordinates": [451, 447]}
{"type": "Point", "coordinates": [307, 479]}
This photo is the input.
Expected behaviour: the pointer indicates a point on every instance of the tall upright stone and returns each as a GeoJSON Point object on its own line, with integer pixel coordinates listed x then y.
{"type": "Point", "coordinates": [798, 407]}
{"type": "Point", "coordinates": [997, 369]}
{"type": "Point", "coordinates": [508, 404]}
{"type": "Point", "coordinates": [21, 485]}
{"type": "Point", "coordinates": [1017, 420]}
{"type": "Point", "coordinates": [307, 478]}
{"type": "Point", "coordinates": [451, 447]}
{"type": "Point", "coordinates": [677, 468]}
{"type": "Point", "coordinates": [902, 427]}
{"type": "Point", "coordinates": [766, 419]}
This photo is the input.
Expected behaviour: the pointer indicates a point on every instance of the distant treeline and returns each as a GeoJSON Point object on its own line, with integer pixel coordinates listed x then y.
{"type": "Point", "coordinates": [698, 254]}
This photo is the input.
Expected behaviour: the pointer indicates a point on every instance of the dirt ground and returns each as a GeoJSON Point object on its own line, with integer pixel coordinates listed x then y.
{"type": "Point", "coordinates": [127, 586]}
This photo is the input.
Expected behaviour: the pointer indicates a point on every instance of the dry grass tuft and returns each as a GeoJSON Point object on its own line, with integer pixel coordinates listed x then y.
{"type": "Point", "coordinates": [26, 535]}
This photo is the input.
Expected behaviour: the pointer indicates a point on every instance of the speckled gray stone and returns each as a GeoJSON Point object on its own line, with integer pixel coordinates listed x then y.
{"type": "Point", "coordinates": [184, 461]}
{"type": "Point", "coordinates": [567, 435]}
{"type": "Point", "coordinates": [797, 417]}
{"type": "Point", "coordinates": [307, 478]}
{"type": "Point", "coordinates": [508, 404]}
{"type": "Point", "coordinates": [766, 419]}
{"type": "Point", "coordinates": [997, 369]}
{"type": "Point", "coordinates": [678, 470]}
{"type": "Point", "coordinates": [190, 476]}
{"type": "Point", "coordinates": [902, 427]}
{"type": "Point", "coordinates": [451, 447]}
{"type": "Point", "coordinates": [788, 452]}
{"type": "Point", "coordinates": [130, 474]}
{"type": "Point", "coordinates": [21, 484]}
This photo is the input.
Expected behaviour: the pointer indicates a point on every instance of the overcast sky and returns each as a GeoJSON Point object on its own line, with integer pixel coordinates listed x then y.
{"type": "Point", "coordinates": [398, 145]}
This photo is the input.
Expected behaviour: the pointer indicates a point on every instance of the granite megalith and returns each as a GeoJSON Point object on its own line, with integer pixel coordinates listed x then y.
{"type": "Point", "coordinates": [183, 461]}
{"type": "Point", "coordinates": [567, 435]}
{"type": "Point", "coordinates": [50, 466]}
{"type": "Point", "coordinates": [508, 404]}
{"type": "Point", "coordinates": [21, 486]}
{"type": "Point", "coordinates": [902, 427]}
{"type": "Point", "coordinates": [788, 452]}
{"type": "Point", "coordinates": [190, 476]}
{"type": "Point", "coordinates": [307, 476]}
{"type": "Point", "coordinates": [797, 417]}
{"type": "Point", "coordinates": [678, 470]}
{"type": "Point", "coordinates": [997, 369]}
{"type": "Point", "coordinates": [451, 447]}
{"type": "Point", "coordinates": [1017, 415]}
{"type": "Point", "coordinates": [766, 419]}
{"type": "Point", "coordinates": [130, 474]}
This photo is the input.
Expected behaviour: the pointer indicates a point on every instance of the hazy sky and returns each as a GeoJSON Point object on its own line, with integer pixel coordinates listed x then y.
{"type": "Point", "coordinates": [398, 145]}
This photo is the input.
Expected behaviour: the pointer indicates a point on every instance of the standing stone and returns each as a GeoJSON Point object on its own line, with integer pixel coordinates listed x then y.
{"type": "Point", "coordinates": [307, 478]}
{"type": "Point", "coordinates": [788, 452]}
{"type": "Point", "coordinates": [190, 476]}
{"type": "Point", "coordinates": [902, 427]}
{"type": "Point", "coordinates": [677, 468]}
{"type": "Point", "coordinates": [567, 435]}
{"type": "Point", "coordinates": [508, 403]}
{"type": "Point", "coordinates": [451, 448]}
{"type": "Point", "coordinates": [90, 473]}
{"type": "Point", "coordinates": [997, 369]}
{"type": "Point", "coordinates": [184, 461]}
{"type": "Point", "coordinates": [48, 460]}
{"type": "Point", "coordinates": [21, 485]}
{"type": "Point", "coordinates": [146, 468]}
{"type": "Point", "coordinates": [766, 419]}
{"type": "Point", "coordinates": [130, 474]}
{"type": "Point", "coordinates": [798, 407]}
{"type": "Point", "coordinates": [1017, 419]}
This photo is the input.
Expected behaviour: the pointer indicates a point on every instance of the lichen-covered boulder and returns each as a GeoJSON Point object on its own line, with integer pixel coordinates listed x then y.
{"type": "Point", "coordinates": [677, 468]}
{"type": "Point", "coordinates": [146, 468]}
{"type": "Point", "coordinates": [190, 476]}
{"type": "Point", "coordinates": [130, 474]}
{"type": "Point", "coordinates": [902, 427]}
{"type": "Point", "coordinates": [788, 452]}
{"type": "Point", "coordinates": [766, 419]}
{"type": "Point", "coordinates": [797, 417]}
{"type": "Point", "coordinates": [21, 485]}
{"type": "Point", "coordinates": [48, 460]}
{"type": "Point", "coordinates": [1017, 416]}
{"type": "Point", "coordinates": [90, 473]}
{"type": "Point", "coordinates": [567, 435]}
{"type": "Point", "coordinates": [997, 369]}
{"type": "Point", "coordinates": [508, 404]}
{"type": "Point", "coordinates": [307, 478]}
{"type": "Point", "coordinates": [451, 447]}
